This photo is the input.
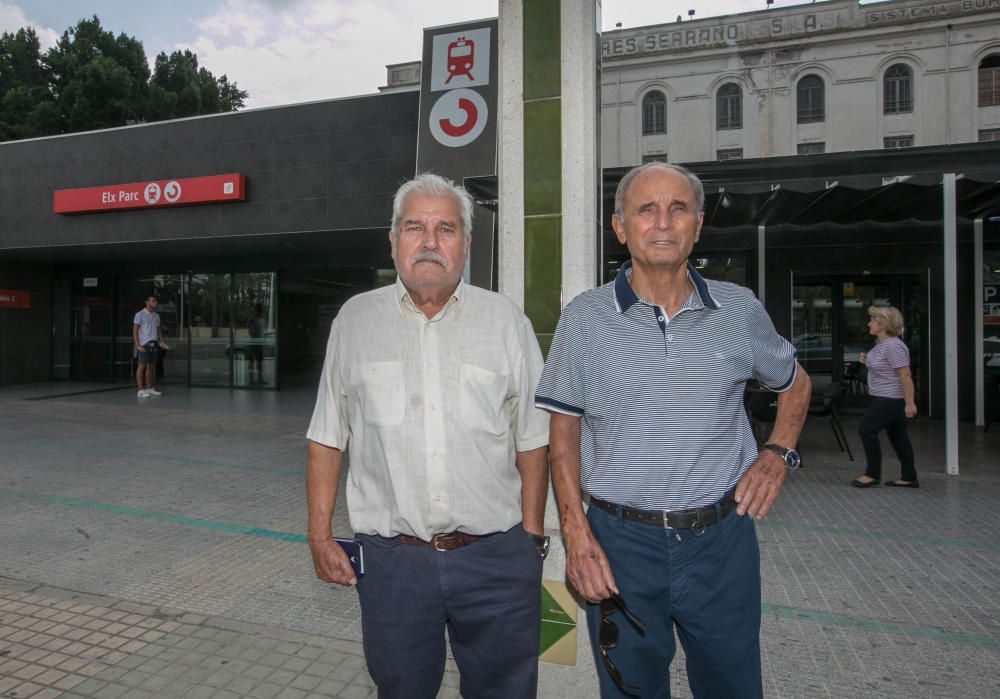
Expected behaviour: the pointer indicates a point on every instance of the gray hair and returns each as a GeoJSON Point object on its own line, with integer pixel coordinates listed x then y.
{"type": "Point", "coordinates": [433, 185]}
{"type": "Point", "coordinates": [626, 182]}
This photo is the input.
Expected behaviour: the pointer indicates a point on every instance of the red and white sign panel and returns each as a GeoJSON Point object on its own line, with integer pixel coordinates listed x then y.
{"type": "Point", "coordinates": [148, 195]}
{"type": "Point", "coordinates": [15, 299]}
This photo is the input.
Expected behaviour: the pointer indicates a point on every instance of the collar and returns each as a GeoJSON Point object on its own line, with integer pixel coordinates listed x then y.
{"type": "Point", "coordinates": [402, 297]}
{"type": "Point", "coordinates": [625, 296]}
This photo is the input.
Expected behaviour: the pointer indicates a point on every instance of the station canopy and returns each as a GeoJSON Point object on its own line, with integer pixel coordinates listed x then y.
{"type": "Point", "coordinates": [881, 186]}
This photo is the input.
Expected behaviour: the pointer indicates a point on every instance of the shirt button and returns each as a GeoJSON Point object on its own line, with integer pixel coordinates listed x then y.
{"type": "Point", "coordinates": [433, 407]}
{"type": "Point", "coordinates": [659, 318]}
{"type": "Point", "coordinates": [670, 338]}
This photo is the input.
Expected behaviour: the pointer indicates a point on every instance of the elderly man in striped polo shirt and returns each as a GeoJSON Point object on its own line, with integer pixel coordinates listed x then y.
{"type": "Point", "coordinates": [645, 382]}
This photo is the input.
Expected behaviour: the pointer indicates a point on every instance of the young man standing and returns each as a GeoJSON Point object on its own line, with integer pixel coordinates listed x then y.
{"type": "Point", "coordinates": [147, 335]}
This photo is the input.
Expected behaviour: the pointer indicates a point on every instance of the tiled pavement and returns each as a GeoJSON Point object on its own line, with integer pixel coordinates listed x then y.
{"type": "Point", "coordinates": [58, 643]}
{"type": "Point", "coordinates": [155, 549]}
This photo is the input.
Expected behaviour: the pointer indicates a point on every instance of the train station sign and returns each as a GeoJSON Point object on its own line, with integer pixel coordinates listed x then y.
{"type": "Point", "coordinates": [213, 189]}
{"type": "Point", "coordinates": [15, 299]}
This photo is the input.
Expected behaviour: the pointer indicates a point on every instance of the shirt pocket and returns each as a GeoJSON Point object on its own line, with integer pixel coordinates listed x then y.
{"type": "Point", "coordinates": [482, 398]}
{"type": "Point", "coordinates": [382, 392]}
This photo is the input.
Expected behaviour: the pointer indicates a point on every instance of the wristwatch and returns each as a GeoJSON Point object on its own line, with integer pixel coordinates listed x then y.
{"type": "Point", "coordinates": [541, 543]}
{"type": "Point", "coordinates": [790, 456]}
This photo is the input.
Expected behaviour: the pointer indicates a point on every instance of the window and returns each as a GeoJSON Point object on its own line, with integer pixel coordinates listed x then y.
{"type": "Point", "coordinates": [898, 141]}
{"type": "Point", "coordinates": [729, 107]}
{"type": "Point", "coordinates": [729, 154]}
{"type": "Point", "coordinates": [986, 135]}
{"type": "Point", "coordinates": [655, 158]}
{"type": "Point", "coordinates": [811, 148]}
{"type": "Point", "coordinates": [989, 81]}
{"type": "Point", "coordinates": [810, 99]}
{"type": "Point", "coordinates": [654, 113]}
{"type": "Point", "coordinates": [898, 90]}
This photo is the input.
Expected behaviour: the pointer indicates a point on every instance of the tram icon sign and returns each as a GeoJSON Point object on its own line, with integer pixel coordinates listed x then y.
{"type": "Point", "coordinates": [152, 193]}
{"type": "Point", "coordinates": [460, 59]}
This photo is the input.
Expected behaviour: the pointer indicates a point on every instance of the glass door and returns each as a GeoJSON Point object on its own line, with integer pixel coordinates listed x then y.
{"type": "Point", "coordinates": [830, 327]}
{"type": "Point", "coordinates": [254, 339]}
{"type": "Point", "coordinates": [209, 311]}
{"type": "Point", "coordinates": [172, 365]}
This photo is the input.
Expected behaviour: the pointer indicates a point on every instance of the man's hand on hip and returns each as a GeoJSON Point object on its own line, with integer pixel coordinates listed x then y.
{"type": "Point", "coordinates": [331, 563]}
{"type": "Point", "coordinates": [756, 491]}
{"type": "Point", "coordinates": [587, 567]}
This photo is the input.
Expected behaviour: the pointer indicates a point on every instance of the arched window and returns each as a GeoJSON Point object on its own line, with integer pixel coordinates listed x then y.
{"type": "Point", "coordinates": [654, 113]}
{"type": "Point", "coordinates": [989, 81]}
{"type": "Point", "coordinates": [898, 90]}
{"type": "Point", "coordinates": [810, 99]}
{"type": "Point", "coordinates": [729, 107]}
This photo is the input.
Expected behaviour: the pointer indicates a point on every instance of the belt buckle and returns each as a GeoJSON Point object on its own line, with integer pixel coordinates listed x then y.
{"type": "Point", "coordinates": [441, 541]}
{"type": "Point", "coordinates": [666, 519]}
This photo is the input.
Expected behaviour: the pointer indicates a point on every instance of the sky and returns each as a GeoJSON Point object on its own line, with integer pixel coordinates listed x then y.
{"type": "Point", "coordinates": [289, 51]}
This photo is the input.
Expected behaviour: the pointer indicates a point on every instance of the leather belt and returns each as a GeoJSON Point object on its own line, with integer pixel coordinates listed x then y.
{"type": "Point", "coordinates": [442, 542]}
{"type": "Point", "coordinates": [694, 518]}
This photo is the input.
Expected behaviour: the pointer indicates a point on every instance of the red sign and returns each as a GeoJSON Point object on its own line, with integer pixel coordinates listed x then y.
{"type": "Point", "coordinates": [149, 195]}
{"type": "Point", "coordinates": [15, 299]}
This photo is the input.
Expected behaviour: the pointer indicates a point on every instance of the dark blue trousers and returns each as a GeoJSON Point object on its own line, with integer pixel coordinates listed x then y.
{"type": "Point", "coordinates": [487, 595]}
{"type": "Point", "coordinates": [707, 586]}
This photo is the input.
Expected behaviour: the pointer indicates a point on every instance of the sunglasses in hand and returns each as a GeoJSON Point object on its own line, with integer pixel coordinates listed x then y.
{"type": "Point", "coordinates": [607, 636]}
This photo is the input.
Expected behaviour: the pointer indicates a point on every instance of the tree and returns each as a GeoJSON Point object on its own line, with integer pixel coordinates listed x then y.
{"type": "Point", "coordinates": [179, 88]}
{"type": "Point", "coordinates": [92, 79]}
{"type": "Point", "coordinates": [27, 107]}
{"type": "Point", "coordinates": [99, 80]}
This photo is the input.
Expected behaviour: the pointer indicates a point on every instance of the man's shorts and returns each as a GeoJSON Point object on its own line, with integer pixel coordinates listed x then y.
{"type": "Point", "coordinates": [149, 356]}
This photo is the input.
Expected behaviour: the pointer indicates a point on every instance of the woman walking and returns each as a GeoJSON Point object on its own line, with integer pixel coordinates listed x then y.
{"type": "Point", "coordinates": [890, 385]}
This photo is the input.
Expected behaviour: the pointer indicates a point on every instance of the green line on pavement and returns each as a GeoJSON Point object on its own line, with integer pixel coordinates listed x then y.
{"type": "Point", "coordinates": [881, 627]}
{"type": "Point", "coordinates": [885, 536]}
{"type": "Point", "coordinates": [160, 516]}
{"type": "Point", "coordinates": [826, 619]}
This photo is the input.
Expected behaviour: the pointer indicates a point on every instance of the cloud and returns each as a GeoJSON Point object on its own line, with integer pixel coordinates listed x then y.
{"type": "Point", "coordinates": [13, 18]}
{"type": "Point", "coordinates": [286, 51]}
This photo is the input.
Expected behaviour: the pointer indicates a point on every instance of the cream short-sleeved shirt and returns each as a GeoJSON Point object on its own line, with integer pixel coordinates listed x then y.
{"type": "Point", "coordinates": [432, 411]}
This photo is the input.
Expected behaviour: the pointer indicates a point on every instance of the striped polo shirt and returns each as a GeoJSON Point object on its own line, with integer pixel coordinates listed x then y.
{"type": "Point", "coordinates": [661, 400]}
{"type": "Point", "coordinates": [882, 361]}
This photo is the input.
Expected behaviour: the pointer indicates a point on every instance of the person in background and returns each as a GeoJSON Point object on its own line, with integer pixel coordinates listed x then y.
{"type": "Point", "coordinates": [147, 336]}
{"type": "Point", "coordinates": [255, 329]}
{"type": "Point", "coordinates": [890, 385]}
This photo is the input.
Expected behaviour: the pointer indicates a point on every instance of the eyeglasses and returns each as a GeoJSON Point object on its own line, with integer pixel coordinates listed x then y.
{"type": "Point", "coordinates": [607, 637]}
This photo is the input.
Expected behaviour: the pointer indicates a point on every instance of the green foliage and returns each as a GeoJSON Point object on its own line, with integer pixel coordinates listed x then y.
{"type": "Point", "coordinates": [92, 79]}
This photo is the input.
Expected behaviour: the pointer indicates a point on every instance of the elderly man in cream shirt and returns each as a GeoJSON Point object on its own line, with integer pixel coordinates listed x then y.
{"type": "Point", "coordinates": [430, 384]}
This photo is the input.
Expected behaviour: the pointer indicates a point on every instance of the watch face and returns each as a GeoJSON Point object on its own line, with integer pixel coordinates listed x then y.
{"type": "Point", "coordinates": [792, 459]}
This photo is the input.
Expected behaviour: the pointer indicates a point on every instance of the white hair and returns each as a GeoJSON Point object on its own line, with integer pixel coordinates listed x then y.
{"type": "Point", "coordinates": [432, 185]}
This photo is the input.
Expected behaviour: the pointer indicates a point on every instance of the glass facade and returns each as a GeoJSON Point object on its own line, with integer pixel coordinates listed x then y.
{"type": "Point", "coordinates": [220, 328]}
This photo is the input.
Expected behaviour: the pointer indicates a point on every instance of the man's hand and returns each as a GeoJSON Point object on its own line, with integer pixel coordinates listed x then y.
{"type": "Point", "coordinates": [140, 348]}
{"type": "Point", "coordinates": [331, 563]}
{"type": "Point", "coordinates": [756, 491]}
{"type": "Point", "coordinates": [587, 567]}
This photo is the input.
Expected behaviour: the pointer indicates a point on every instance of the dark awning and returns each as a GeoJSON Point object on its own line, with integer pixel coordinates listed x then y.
{"type": "Point", "coordinates": [841, 188]}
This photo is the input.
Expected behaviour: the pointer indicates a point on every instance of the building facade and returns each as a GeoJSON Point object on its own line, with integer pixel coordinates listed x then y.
{"type": "Point", "coordinates": [814, 78]}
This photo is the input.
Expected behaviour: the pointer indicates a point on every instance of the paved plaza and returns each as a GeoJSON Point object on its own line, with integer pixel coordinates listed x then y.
{"type": "Point", "coordinates": [156, 549]}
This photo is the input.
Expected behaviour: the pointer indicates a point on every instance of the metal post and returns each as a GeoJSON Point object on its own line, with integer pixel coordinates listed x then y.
{"type": "Point", "coordinates": [977, 315]}
{"type": "Point", "coordinates": [760, 262]}
{"type": "Point", "coordinates": [950, 224]}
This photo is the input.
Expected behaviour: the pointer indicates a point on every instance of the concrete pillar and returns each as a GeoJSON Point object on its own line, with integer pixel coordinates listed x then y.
{"type": "Point", "coordinates": [550, 204]}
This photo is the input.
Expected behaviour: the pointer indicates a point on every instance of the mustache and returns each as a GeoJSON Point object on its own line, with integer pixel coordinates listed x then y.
{"type": "Point", "coordinates": [429, 256]}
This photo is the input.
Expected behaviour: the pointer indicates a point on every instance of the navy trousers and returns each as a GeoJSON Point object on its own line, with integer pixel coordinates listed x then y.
{"type": "Point", "coordinates": [887, 414]}
{"type": "Point", "coordinates": [487, 595]}
{"type": "Point", "coordinates": [706, 584]}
